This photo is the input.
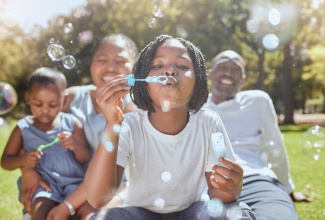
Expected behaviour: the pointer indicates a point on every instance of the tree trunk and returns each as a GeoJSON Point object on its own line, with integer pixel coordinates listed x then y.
{"type": "Point", "coordinates": [288, 97]}
{"type": "Point", "coordinates": [260, 68]}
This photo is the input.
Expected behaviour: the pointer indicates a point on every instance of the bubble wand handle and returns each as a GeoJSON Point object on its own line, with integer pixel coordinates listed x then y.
{"type": "Point", "coordinates": [218, 146]}
{"type": "Point", "coordinates": [42, 146]}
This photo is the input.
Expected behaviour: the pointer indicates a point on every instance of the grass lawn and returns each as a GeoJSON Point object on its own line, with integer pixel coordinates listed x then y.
{"type": "Point", "coordinates": [307, 174]}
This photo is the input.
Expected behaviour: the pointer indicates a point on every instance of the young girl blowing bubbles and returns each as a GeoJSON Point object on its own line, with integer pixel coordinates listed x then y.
{"type": "Point", "coordinates": [165, 146]}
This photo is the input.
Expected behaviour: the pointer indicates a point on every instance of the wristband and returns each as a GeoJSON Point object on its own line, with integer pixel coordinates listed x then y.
{"type": "Point", "coordinates": [71, 209]}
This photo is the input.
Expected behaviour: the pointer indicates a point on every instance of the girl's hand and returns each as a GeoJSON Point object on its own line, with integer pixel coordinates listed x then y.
{"type": "Point", "coordinates": [227, 179]}
{"type": "Point", "coordinates": [110, 99]}
{"type": "Point", "coordinates": [66, 140]}
{"type": "Point", "coordinates": [30, 159]}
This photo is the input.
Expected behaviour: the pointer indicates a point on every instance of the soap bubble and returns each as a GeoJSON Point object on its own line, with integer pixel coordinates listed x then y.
{"type": "Point", "coordinates": [272, 154]}
{"type": "Point", "coordinates": [8, 98]}
{"type": "Point", "coordinates": [165, 106]}
{"type": "Point", "coordinates": [152, 22]}
{"type": "Point", "coordinates": [69, 61]}
{"type": "Point", "coordinates": [234, 213]}
{"type": "Point", "coordinates": [166, 176]}
{"type": "Point", "coordinates": [159, 203]}
{"type": "Point", "coordinates": [56, 52]}
{"type": "Point", "coordinates": [159, 7]}
{"type": "Point", "coordinates": [215, 207]}
{"type": "Point", "coordinates": [109, 146]}
{"type": "Point", "coordinates": [313, 142]}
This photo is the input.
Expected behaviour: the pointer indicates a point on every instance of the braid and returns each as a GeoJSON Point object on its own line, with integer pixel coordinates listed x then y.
{"type": "Point", "coordinates": [139, 92]}
{"type": "Point", "coordinates": [200, 91]}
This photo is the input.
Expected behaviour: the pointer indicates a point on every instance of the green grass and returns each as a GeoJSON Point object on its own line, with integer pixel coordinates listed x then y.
{"type": "Point", "coordinates": [10, 208]}
{"type": "Point", "coordinates": [307, 174]}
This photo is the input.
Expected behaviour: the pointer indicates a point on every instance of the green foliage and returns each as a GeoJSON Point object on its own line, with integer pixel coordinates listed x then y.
{"type": "Point", "coordinates": [211, 25]}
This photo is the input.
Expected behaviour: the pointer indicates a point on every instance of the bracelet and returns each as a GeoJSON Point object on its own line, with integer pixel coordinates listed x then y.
{"type": "Point", "coordinates": [71, 209]}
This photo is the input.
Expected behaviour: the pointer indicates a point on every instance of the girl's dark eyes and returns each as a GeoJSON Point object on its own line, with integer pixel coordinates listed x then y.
{"type": "Point", "coordinates": [156, 67]}
{"type": "Point", "coordinates": [181, 67]}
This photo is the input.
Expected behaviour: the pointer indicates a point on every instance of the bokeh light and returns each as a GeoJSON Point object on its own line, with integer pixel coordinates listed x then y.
{"type": "Point", "coordinates": [67, 28]}
{"type": "Point", "coordinates": [313, 142]}
{"type": "Point", "coordinates": [8, 98]}
{"type": "Point", "coordinates": [271, 41]}
{"type": "Point", "coordinates": [274, 16]}
{"type": "Point", "coordinates": [56, 52]}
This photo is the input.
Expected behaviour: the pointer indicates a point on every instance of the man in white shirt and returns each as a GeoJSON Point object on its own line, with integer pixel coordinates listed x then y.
{"type": "Point", "coordinates": [252, 126]}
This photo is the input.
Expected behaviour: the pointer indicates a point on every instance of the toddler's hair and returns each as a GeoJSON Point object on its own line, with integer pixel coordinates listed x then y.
{"type": "Point", "coordinates": [139, 92]}
{"type": "Point", "coordinates": [48, 77]}
{"type": "Point", "coordinates": [116, 37]}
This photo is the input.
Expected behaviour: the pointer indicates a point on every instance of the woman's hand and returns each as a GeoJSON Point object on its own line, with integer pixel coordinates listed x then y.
{"type": "Point", "coordinates": [110, 99]}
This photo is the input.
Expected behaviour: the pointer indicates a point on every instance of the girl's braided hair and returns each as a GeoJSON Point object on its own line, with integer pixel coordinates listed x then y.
{"type": "Point", "coordinates": [139, 92]}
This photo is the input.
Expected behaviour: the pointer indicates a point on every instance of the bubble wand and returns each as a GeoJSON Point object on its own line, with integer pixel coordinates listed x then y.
{"type": "Point", "coordinates": [150, 79]}
{"type": "Point", "coordinates": [42, 146]}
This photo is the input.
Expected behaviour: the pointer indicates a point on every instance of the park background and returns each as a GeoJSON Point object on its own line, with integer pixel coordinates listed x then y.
{"type": "Point", "coordinates": [282, 43]}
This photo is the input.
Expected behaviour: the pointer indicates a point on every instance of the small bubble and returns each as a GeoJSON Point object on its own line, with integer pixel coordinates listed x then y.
{"type": "Point", "coordinates": [152, 22]}
{"type": "Point", "coordinates": [215, 207]}
{"type": "Point", "coordinates": [51, 40]}
{"type": "Point", "coordinates": [56, 52]}
{"type": "Point", "coordinates": [109, 146]}
{"type": "Point", "coordinates": [117, 128]}
{"type": "Point", "coordinates": [69, 62]}
{"type": "Point", "coordinates": [159, 7]}
{"type": "Point", "coordinates": [8, 98]}
{"type": "Point", "coordinates": [234, 213]}
{"type": "Point", "coordinates": [166, 106]}
{"type": "Point", "coordinates": [166, 176]}
{"type": "Point", "coordinates": [312, 143]}
{"type": "Point", "coordinates": [272, 154]}
{"type": "Point", "coordinates": [159, 203]}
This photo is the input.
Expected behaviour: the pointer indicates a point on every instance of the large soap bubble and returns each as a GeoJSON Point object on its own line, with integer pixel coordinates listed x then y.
{"type": "Point", "coordinates": [8, 98]}
{"type": "Point", "coordinates": [56, 52]}
{"type": "Point", "coordinates": [313, 142]}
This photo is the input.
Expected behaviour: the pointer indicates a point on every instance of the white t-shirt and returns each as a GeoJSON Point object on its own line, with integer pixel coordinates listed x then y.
{"type": "Point", "coordinates": [166, 173]}
{"type": "Point", "coordinates": [251, 122]}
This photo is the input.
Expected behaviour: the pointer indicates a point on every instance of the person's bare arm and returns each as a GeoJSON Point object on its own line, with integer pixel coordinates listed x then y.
{"type": "Point", "coordinates": [103, 176]}
{"type": "Point", "coordinates": [69, 96]}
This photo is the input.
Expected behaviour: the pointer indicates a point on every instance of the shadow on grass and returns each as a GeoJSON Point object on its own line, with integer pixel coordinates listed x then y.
{"type": "Point", "coordinates": [295, 128]}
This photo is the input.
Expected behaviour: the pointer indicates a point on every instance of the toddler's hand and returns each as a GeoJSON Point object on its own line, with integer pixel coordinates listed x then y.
{"type": "Point", "coordinates": [66, 140]}
{"type": "Point", "coordinates": [30, 159]}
